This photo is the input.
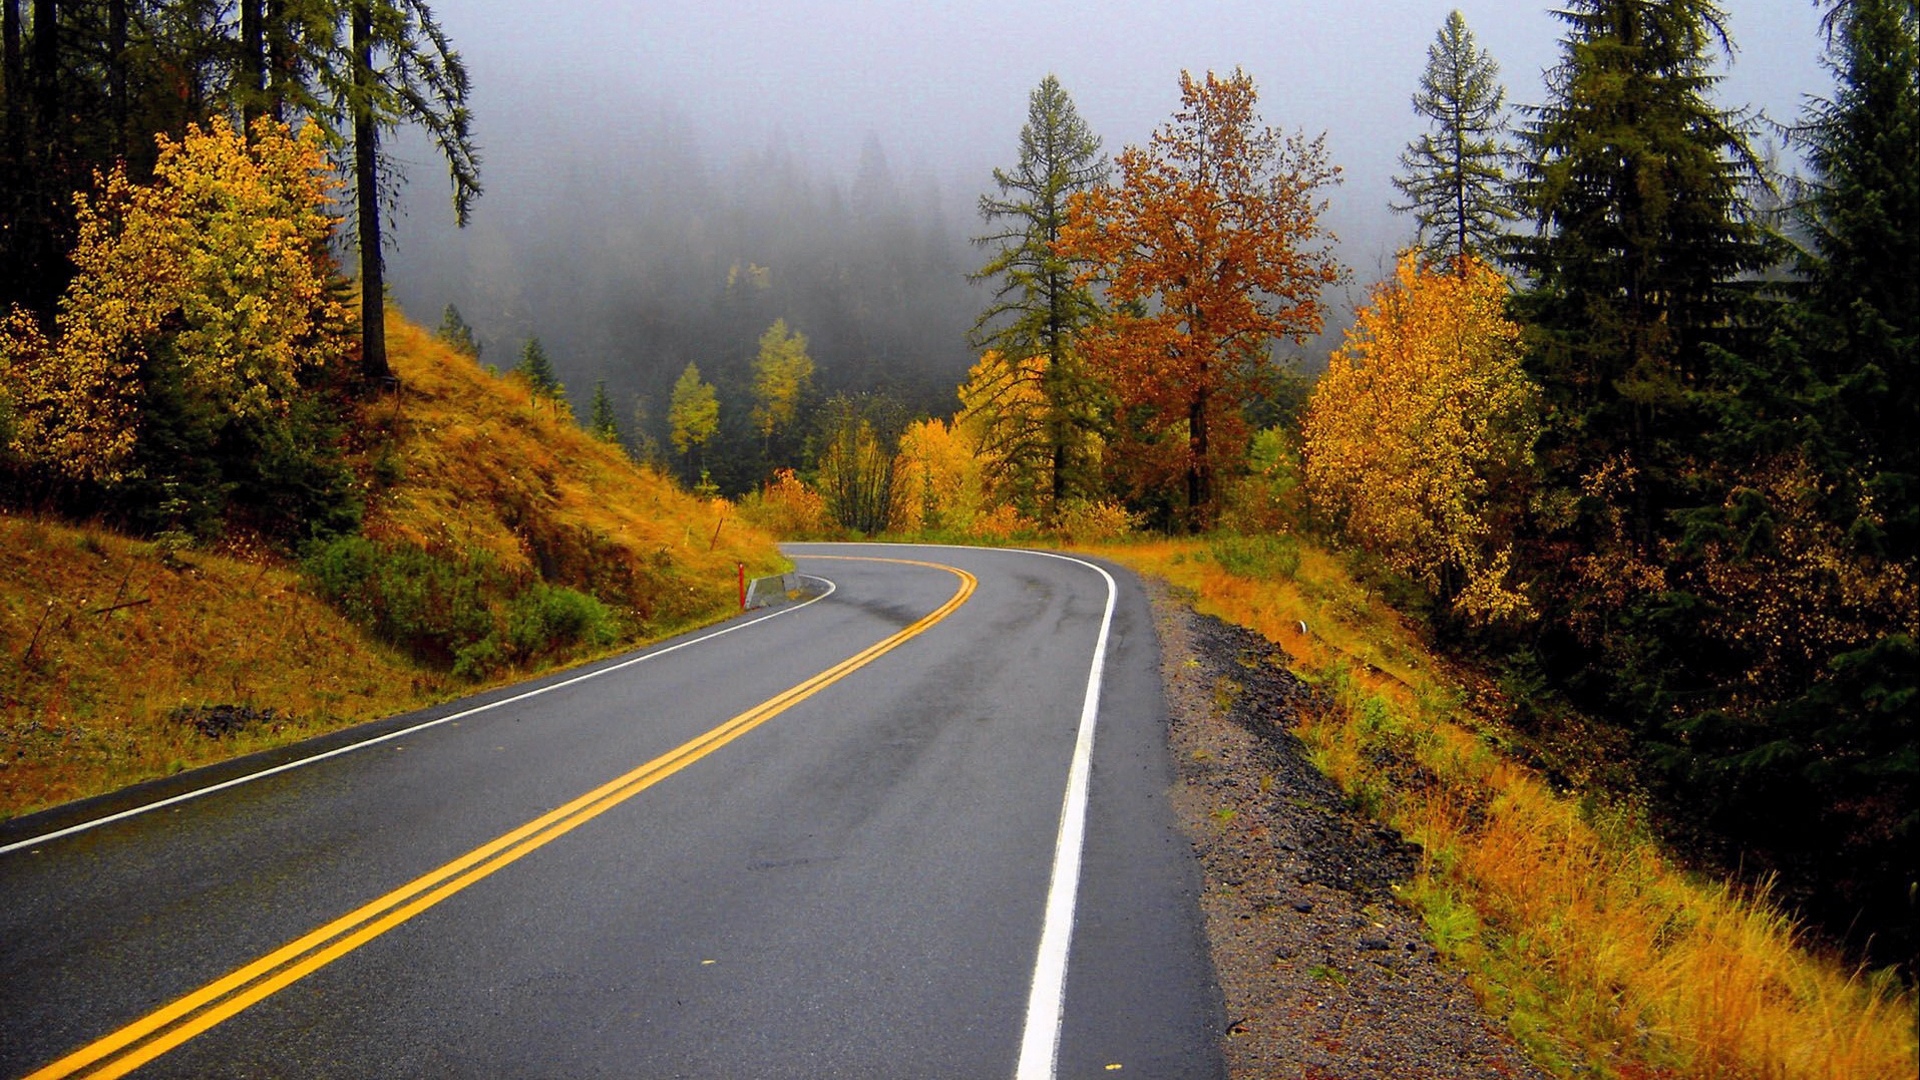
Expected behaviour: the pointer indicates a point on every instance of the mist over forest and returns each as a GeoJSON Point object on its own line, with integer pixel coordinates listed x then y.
{"type": "Point", "coordinates": [646, 250]}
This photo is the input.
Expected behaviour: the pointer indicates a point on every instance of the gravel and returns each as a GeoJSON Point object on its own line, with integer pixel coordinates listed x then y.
{"type": "Point", "coordinates": [1324, 974]}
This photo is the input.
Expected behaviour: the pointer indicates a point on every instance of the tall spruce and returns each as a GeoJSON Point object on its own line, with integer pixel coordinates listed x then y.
{"type": "Point", "coordinates": [1455, 179]}
{"type": "Point", "coordinates": [1863, 268]}
{"type": "Point", "coordinates": [1038, 309]}
{"type": "Point", "coordinates": [601, 422]}
{"type": "Point", "coordinates": [1634, 179]}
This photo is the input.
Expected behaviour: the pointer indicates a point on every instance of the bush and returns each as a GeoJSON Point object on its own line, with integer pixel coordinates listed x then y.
{"type": "Point", "coordinates": [1083, 521]}
{"type": "Point", "coordinates": [457, 613]}
{"type": "Point", "coordinates": [547, 619]}
{"type": "Point", "coordinates": [433, 606]}
{"type": "Point", "coordinates": [1265, 556]}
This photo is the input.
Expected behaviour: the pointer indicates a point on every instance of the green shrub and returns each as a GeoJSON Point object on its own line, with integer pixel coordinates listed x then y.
{"type": "Point", "coordinates": [547, 619]}
{"type": "Point", "coordinates": [434, 606]}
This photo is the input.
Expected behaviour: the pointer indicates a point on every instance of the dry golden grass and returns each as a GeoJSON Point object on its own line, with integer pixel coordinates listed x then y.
{"type": "Point", "coordinates": [487, 465]}
{"type": "Point", "coordinates": [1606, 958]}
{"type": "Point", "coordinates": [102, 636]}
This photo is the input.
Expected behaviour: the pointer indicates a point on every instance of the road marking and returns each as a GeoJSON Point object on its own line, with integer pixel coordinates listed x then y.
{"type": "Point", "coordinates": [1040, 1043]}
{"type": "Point", "coordinates": [171, 1025]}
{"type": "Point", "coordinates": [1047, 998]}
{"type": "Point", "coordinates": [391, 735]}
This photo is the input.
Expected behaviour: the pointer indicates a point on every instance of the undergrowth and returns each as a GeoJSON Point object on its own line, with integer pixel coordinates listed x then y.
{"type": "Point", "coordinates": [1605, 957]}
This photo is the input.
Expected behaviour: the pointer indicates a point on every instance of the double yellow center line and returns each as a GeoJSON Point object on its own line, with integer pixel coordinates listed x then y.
{"type": "Point", "coordinates": [171, 1025]}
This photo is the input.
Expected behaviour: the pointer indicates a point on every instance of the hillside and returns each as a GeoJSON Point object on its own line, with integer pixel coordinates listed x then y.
{"type": "Point", "coordinates": [114, 651]}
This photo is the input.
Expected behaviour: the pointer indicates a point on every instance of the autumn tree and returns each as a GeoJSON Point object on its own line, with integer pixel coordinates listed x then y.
{"type": "Point", "coordinates": [937, 481]}
{"type": "Point", "coordinates": [1454, 174]}
{"type": "Point", "coordinates": [782, 375]}
{"type": "Point", "coordinates": [1419, 437]}
{"type": "Point", "coordinates": [202, 303]}
{"type": "Point", "coordinates": [857, 441]}
{"type": "Point", "coordinates": [1209, 248]}
{"type": "Point", "coordinates": [693, 414]}
{"type": "Point", "coordinates": [1040, 306]}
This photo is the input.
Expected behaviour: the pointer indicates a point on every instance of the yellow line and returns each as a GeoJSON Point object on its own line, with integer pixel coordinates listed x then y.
{"type": "Point", "coordinates": [169, 1026]}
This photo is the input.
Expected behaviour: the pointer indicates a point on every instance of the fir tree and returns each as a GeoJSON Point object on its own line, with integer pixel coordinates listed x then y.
{"type": "Point", "coordinates": [538, 371]}
{"type": "Point", "coordinates": [1039, 309]}
{"type": "Point", "coordinates": [1863, 270]}
{"type": "Point", "coordinates": [1455, 176]}
{"type": "Point", "coordinates": [1635, 181]}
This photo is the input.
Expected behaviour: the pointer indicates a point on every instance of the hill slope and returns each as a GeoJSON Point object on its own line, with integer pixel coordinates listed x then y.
{"type": "Point", "coordinates": [113, 649]}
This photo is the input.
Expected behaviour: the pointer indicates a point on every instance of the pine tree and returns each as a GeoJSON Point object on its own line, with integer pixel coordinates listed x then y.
{"type": "Point", "coordinates": [1039, 308]}
{"type": "Point", "coordinates": [1455, 175]}
{"type": "Point", "coordinates": [601, 423]}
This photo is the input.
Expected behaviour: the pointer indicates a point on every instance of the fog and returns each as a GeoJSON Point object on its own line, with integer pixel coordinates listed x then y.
{"type": "Point", "coordinates": [635, 153]}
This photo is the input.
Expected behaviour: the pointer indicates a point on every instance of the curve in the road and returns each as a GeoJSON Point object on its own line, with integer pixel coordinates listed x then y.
{"type": "Point", "coordinates": [193, 1014]}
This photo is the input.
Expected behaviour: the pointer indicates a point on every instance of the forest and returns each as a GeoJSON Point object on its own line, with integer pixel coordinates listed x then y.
{"type": "Point", "coordinates": [1629, 424]}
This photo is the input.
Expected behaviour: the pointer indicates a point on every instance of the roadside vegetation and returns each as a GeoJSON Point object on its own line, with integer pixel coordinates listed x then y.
{"type": "Point", "coordinates": [495, 539]}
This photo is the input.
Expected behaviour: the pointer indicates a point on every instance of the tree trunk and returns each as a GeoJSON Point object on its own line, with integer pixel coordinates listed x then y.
{"type": "Point", "coordinates": [117, 105]}
{"type": "Point", "coordinates": [366, 173]}
{"type": "Point", "coordinates": [1199, 466]}
{"type": "Point", "coordinates": [253, 63]}
{"type": "Point", "coordinates": [46, 68]}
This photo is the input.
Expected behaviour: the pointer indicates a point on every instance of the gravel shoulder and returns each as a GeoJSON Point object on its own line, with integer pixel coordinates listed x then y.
{"type": "Point", "coordinates": [1324, 974]}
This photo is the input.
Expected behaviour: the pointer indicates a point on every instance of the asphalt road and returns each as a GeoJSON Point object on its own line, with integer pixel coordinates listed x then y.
{"type": "Point", "coordinates": [850, 879]}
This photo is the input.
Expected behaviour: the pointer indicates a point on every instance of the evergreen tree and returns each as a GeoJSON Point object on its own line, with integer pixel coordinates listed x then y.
{"type": "Point", "coordinates": [1039, 308]}
{"type": "Point", "coordinates": [1862, 301]}
{"type": "Point", "coordinates": [455, 332]}
{"type": "Point", "coordinates": [601, 423]}
{"type": "Point", "coordinates": [1455, 176]}
{"type": "Point", "coordinates": [1634, 178]}
{"type": "Point", "coordinates": [399, 68]}
{"type": "Point", "coordinates": [538, 371]}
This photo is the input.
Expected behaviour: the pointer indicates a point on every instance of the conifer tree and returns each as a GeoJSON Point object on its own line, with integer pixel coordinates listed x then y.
{"type": "Point", "coordinates": [601, 423]}
{"type": "Point", "coordinates": [1863, 270]}
{"type": "Point", "coordinates": [1039, 308]}
{"type": "Point", "coordinates": [1455, 173]}
{"type": "Point", "coordinates": [455, 332]}
{"type": "Point", "coordinates": [538, 371]}
{"type": "Point", "coordinates": [1634, 178]}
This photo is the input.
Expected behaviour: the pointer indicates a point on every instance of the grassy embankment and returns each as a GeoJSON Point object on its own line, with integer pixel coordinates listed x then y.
{"type": "Point", "coordinates": [103, 637]}
{"type": "Point", "coordinates": [1604, 957]}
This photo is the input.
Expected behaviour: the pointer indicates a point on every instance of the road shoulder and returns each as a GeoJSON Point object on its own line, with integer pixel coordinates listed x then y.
{"type": "Point", "coordinates": [1323, 972]}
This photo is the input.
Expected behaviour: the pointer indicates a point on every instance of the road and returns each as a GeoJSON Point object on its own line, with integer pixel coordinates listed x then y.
{"type": "Point", "coordinates": [825, 842]}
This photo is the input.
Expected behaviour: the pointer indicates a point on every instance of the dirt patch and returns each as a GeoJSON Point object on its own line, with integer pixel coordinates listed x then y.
{"type": "Point", "coordinates": [1324, 974]}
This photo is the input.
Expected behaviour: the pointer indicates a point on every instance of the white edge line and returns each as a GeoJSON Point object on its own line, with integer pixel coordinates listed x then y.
{"type": "Point", "coordinates": [1047, 998]}
{"type": "Point", "coordinates": [364, 743]}
{"type": "Point", "coordinates": [1046, 1002]}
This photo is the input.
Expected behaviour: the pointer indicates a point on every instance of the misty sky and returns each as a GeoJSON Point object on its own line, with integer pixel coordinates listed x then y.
{"type": "Point", "coordinates": [944, 87]}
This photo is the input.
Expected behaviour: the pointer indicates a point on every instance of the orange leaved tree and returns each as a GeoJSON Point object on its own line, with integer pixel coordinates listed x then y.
{"type": "Point", "coordinates": [1209, 248]}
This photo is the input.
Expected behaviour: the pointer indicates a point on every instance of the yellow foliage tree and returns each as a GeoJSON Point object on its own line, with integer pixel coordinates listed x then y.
{"type": "Point", "coordinates": [1004, 409]}
{"type": "Point", "coordinates": [1418, 439]}
{"type": "Point", "coordinates": [220, 266]}
{"type": "Point", "coordinates": [938, 482]}
{"type": "Point", "coordinates": [782, 372]}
